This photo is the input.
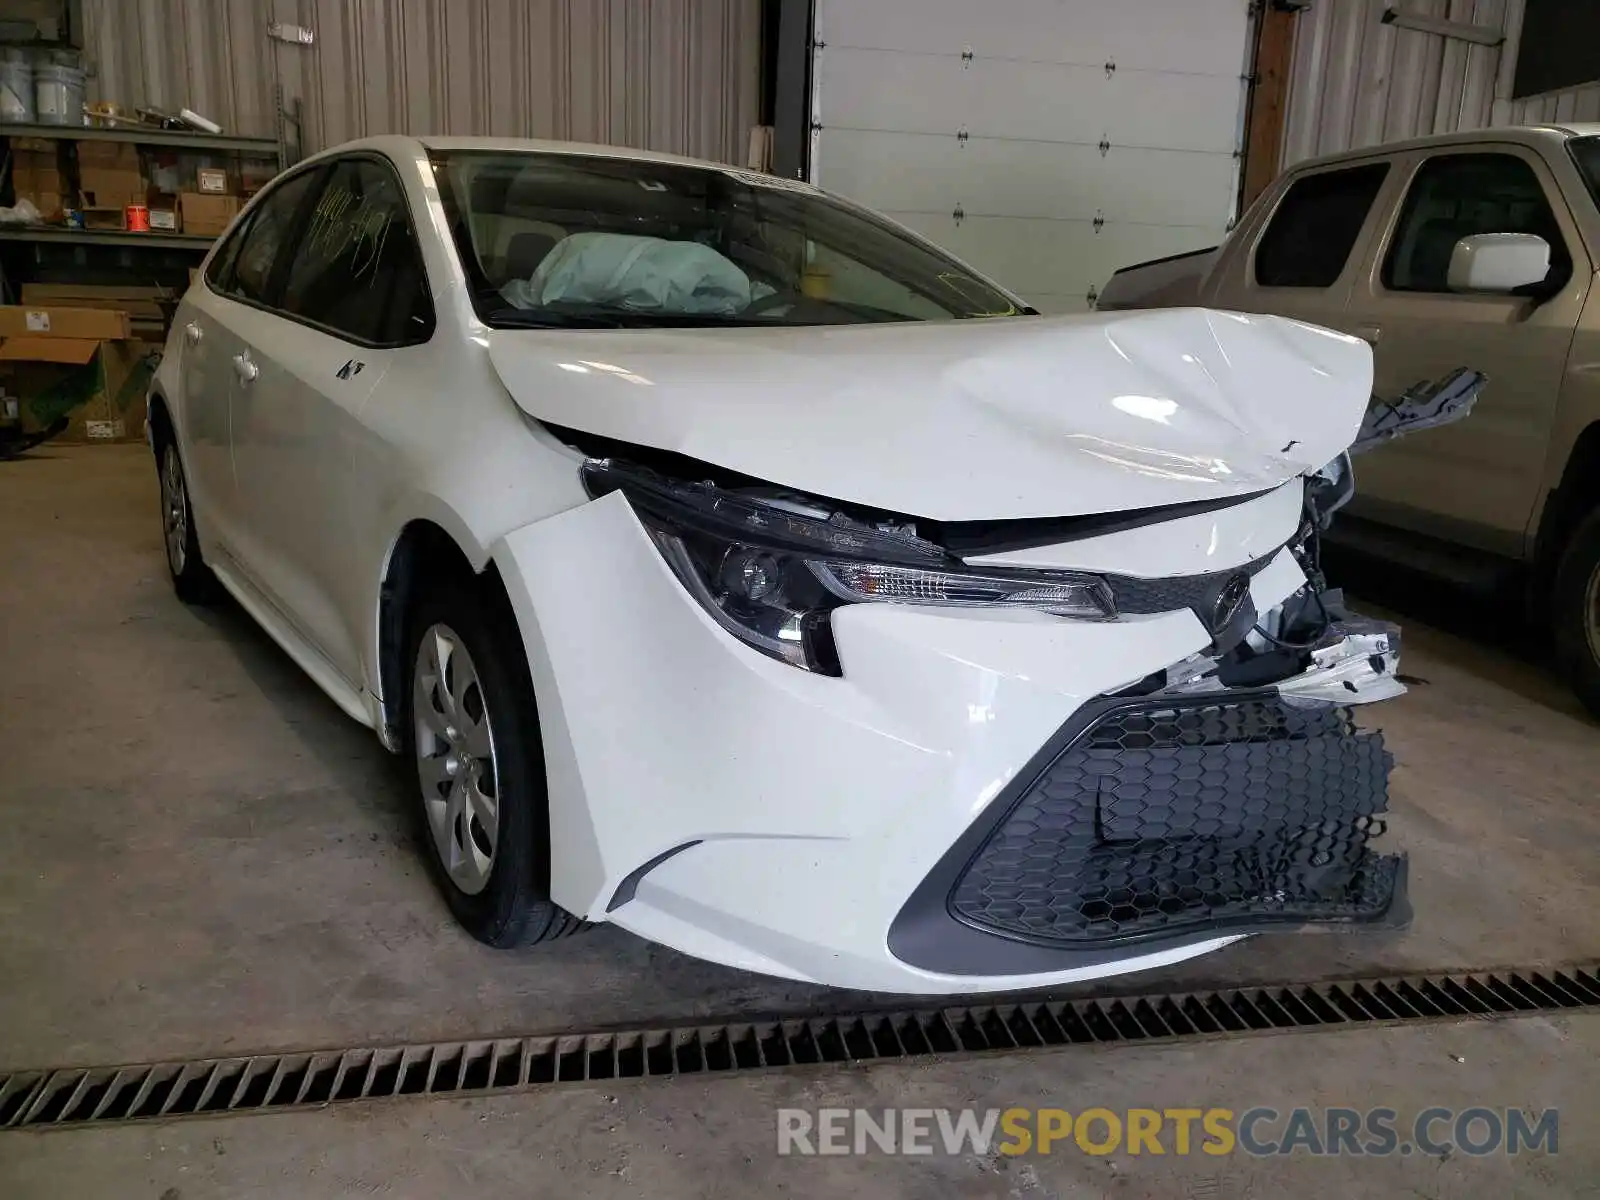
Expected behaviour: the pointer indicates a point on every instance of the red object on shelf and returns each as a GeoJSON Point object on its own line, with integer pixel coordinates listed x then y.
{"type": "Point", "coordinates": [139, 218]}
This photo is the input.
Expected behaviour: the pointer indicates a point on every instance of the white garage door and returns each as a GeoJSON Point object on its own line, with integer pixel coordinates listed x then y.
{"type": "Point", "coordinates": [1047, 142]}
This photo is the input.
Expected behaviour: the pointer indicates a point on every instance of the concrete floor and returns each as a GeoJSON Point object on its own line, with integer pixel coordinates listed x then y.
{"type": "Point", "coordinates": [202, 856]}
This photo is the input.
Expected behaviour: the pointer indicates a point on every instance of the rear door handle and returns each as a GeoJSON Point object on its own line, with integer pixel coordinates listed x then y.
{"type": "Point", "coordinates": [1371, 334]}
{"type": "Point", "coordinates": [244, 368]}
{"type": "Point", "coordinates": [194, 333]}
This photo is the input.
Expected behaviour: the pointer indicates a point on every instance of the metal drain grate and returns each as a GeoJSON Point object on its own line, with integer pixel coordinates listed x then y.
{"type": "Point", "coordinates": [98, 1095]}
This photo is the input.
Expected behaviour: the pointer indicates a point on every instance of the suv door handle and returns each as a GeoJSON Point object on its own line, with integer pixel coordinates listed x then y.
{"type": "Point", "coordinates": [1371, 334]}
{"type": "Point", "coordinates": [194, 333]}
{"type": "Point", "coordinates": [244, 368]}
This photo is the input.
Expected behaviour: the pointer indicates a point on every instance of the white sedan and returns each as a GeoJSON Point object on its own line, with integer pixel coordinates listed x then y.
{"type": "Point", "coordinates": [723, 576]}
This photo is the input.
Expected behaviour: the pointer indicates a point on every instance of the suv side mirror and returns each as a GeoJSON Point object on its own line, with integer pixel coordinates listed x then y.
{"type": "Point", "coordinates": [1498, 262]}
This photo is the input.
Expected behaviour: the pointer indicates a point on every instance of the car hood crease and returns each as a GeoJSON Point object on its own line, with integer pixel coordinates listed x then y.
{"type": "Point", "coordinates": [975, 420]}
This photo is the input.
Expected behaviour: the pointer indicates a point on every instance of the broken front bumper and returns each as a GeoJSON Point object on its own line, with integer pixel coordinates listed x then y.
{"type": "Point", "coordinates": [740, 810]}
{"type": "Point", "coordinates": [1159, 820]}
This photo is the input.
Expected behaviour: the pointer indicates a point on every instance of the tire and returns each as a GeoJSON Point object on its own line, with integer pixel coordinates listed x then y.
{"type": "Point", "coordinates": [470, 730]}
{"type": "Point", "coordinates": [191, 578]}
{"type": "Point", "coordinates": [1576, 612]}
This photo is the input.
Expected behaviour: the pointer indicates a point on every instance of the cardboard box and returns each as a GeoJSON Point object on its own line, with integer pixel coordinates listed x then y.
{"type": "Point", "coordinates": [84, 324]}
{"type": "Point", "coordinates": [36, 176]}
{"type": "Point", "coordinates": [149, 309]}
{"type": "Point", "coordinates": [164, 216]}
{"type": "Point", "coordinates": [108, 154]}
{"type": "Point", "coordinates": [77, 364]}
{"type": "Point", "coordinates": [206, 214]}
{"type": "Point", "coordinates": [35, 164]}
{"type": "Point", "coordinates": [39, 179]}
{"type": "Point", "coordinates": [212, 180]}
{"type": "Point", "coordinates": [104, 218]}
{"type": "Point", "coordinates": [111, 187]}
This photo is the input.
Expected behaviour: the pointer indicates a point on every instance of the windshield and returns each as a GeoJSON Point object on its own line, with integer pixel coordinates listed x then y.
{"type": "Point", "coordinates": [580, 240]}
{"type": "Point", "coordinates": [1586, 153]}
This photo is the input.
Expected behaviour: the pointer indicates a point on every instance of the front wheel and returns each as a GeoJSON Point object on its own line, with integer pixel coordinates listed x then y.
{"type": "Point", "coordinates": [1577, 612]}
{"type": "Point", "coordinates": [471, 730]}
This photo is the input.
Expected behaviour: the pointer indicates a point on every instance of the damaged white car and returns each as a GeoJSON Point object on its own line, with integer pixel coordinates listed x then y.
{"type": "Point", "coordinates": [725, 578]}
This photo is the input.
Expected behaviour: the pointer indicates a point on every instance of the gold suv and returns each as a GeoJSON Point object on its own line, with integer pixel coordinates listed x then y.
{"type": "Point", "coordinates": [1467, 250]}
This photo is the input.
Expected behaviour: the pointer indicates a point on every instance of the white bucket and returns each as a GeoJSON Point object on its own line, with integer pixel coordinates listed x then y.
{"type": "Point", "coordinates": [60, 94]}
{"type": "Point", "coordinates": [16, 90]}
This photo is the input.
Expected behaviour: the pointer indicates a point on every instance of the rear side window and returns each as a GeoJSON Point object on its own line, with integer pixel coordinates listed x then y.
{"type": "Point", "coordinates": [357, 270]}
{"type": "Point", "coordinates": [1458, 195]}
{"type": "Point", "coordinates": [264, 241]}
{"type": "Point", "coordinates": [219, 272]}
{"type": "Point", "coordinates": [1310, 237]}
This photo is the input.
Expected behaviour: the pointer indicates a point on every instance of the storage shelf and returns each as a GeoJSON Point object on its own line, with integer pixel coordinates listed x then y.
{"type": "Point", "coordinates": [265, 147]}
{"type": "Point", "coordinates": [105, 237]}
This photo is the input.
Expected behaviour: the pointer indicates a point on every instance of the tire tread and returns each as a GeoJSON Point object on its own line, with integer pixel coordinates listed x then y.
{"type": "Point", "coordinates": [1580, 559]}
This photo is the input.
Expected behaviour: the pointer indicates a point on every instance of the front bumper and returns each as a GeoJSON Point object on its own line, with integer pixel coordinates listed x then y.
{"type": "Point", "coordinates": [743, 811]}
{"type": "Point", "coordinates": [1157, 821]}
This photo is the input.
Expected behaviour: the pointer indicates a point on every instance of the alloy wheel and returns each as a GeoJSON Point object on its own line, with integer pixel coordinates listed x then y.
{"type": "Point", "coordinates": [456, 761]}
{"type": "Point", "coordinates": [174, 510]}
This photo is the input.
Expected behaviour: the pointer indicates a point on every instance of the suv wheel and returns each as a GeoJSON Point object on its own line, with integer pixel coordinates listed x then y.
{"type": "Point", "coordinates": [471, 730]}
{"type": "Point", "coordinates": [1577, 612]}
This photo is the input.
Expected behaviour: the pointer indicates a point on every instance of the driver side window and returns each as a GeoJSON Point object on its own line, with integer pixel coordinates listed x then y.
{"type": "Point", "coordinates": [1458, 195]}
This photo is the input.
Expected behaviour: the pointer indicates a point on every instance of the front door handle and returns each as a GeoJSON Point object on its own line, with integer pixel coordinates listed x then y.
{"type": "Point", "coordinates": [193, 332]}
{"type": "Point", "coordinates": [244, 368]}
{"type": "Point", "coordinates": [1371, 334]}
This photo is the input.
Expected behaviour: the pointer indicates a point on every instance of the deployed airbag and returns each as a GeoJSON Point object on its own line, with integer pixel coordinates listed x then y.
{"type": "Point", "coordinates": [622, 270]}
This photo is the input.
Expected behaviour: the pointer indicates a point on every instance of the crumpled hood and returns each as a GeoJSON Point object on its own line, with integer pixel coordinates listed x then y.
{"type": "Point", "coordinates": [973, 420]}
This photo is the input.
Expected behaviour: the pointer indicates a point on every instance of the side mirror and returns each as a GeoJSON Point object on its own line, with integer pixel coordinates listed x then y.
{"type": "Point", "coordinates": [1498, 262]}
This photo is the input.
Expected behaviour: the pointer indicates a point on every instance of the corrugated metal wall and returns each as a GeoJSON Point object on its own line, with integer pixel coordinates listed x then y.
{"type": "Point", "coordinates": [1358, 82]}
{"type": "Point", "coordinates": [675, 75]}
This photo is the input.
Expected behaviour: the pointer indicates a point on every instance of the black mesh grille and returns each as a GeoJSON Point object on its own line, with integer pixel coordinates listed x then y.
{"type": "Point", "coordinates": [1202, 814]}
{"type": "Point", "coordinates": [1173, 594]}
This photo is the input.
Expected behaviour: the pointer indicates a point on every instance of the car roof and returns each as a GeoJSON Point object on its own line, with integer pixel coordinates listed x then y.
{"type": "Point", "coordinates": [408, 148]}
{"type": "Point", "coordinates": [1527, 135]}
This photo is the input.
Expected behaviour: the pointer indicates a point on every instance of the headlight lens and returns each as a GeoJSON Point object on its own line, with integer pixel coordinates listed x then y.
{"type": "Point", "coordinates": [769, 571]}
{"type": "Point", "coordinates": [1066, 597]}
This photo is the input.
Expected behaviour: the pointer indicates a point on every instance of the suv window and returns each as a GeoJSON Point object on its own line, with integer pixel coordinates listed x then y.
{"type": "Point", "coordinates": [261, 243]}
{"type": "Point", "coordinates": [1318, 220]}
{"type": "Point", "coordinates": [357, 271]}
{"type": "Point", "coordinates": [1586, 153]}
{"type": "Point", "coordinates": [1457, 195]}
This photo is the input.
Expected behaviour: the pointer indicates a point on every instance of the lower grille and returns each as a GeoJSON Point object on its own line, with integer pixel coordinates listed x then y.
{"type": "Point", "coordinates": [1199, 814]}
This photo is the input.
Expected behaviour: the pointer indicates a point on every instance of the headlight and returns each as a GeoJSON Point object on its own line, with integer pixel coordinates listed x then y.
{"type": "Point", "coordinates": [770, 570]}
